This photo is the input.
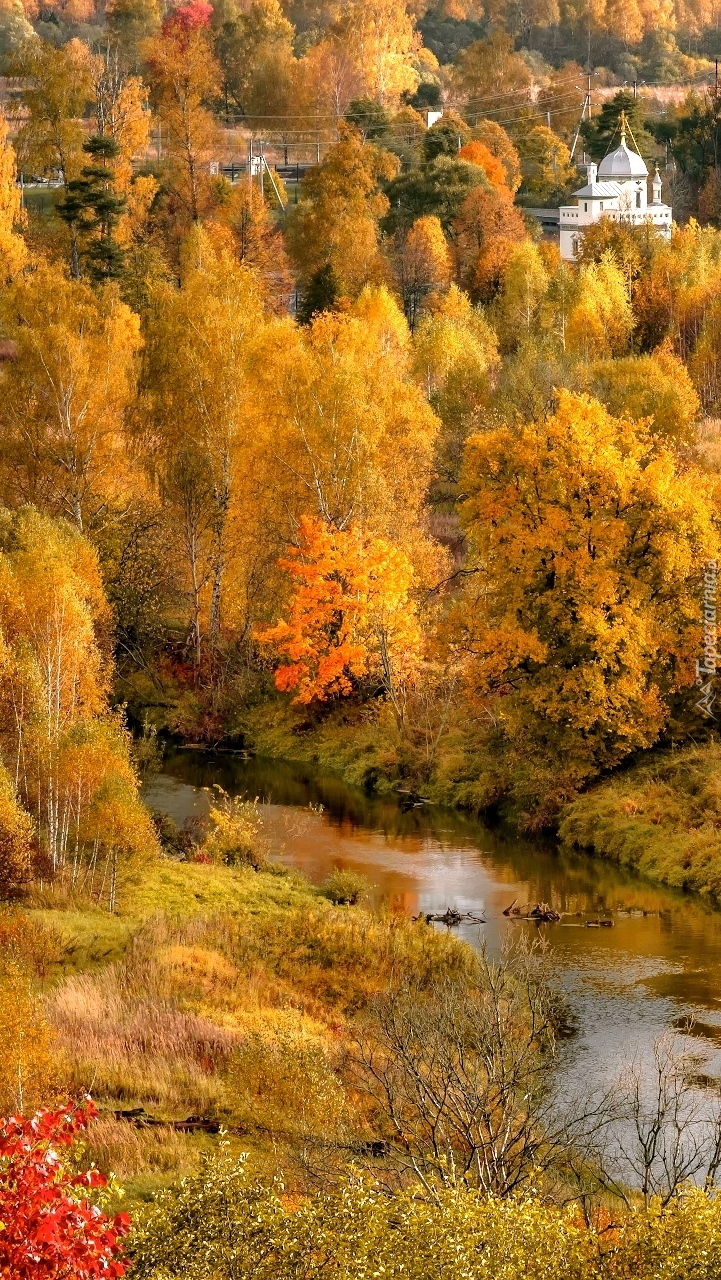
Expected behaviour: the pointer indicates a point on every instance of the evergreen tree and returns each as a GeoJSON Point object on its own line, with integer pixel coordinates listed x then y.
{"type": "Point", "coordinates": [321, 295]}
{"type": "Point", "coordinates": [92, 209]}
{"type": "Point", "coordinates": [603, 133]}
{"type": "Point", "coordinates": [368, 117]}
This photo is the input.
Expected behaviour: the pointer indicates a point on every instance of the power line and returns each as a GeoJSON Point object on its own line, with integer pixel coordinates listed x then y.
{"type": "Point", "coordinates": [313, 122]}
{"type": "Point", "coordinates": [470, 102]}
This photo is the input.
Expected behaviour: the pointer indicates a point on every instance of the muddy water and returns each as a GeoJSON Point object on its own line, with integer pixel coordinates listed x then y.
{"type": "Point", "coordinates": [658, 966]}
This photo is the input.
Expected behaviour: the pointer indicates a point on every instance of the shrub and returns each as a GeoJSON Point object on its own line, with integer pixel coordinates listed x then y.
{"type": "Point", "coordinates": [344, 888]}
{"type": "Point", "coordinates": [220, 1225]}
{"type": "Point", "coordinates": [32, 947]}
{"type": "Point", "coordinates": [16, 841]}
{"type": "Point", "coordinates": [50, 1229]}
{"type": "Point", "coordinates": [175, 841]}
{"type": "Point", "coordinates": [234, 838]}
{"type": "Point", "coordinates": [281, 1081]}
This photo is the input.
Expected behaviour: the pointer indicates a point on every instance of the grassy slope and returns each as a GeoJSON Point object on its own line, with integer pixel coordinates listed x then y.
{"type": "Point", "coordinates": [217, 992]}
{"type": "Point", "coordinates": [662, 817]}
{"type": "Point", "coordinates": [177, 889]}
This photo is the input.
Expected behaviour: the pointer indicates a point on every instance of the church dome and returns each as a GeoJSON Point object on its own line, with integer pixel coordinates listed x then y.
{"type": "Point", "coordinates": [622, 163]}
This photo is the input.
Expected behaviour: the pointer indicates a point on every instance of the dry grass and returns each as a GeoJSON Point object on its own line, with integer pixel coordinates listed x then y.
{"type": "Point", "coordinates": [127, 1038]}
{"type": "Point", "coordinates": [233, 1002]}
{"type": "Point", "coordinates": [709, 443]}
{"type": "Point", "coordinates": [130, 1152]}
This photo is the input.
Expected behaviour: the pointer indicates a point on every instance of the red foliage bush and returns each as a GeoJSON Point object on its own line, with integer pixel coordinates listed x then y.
{"type": "Point", "coordinates": [48, 1230]}
{"type": "Point", "coordinates": [188, 17]}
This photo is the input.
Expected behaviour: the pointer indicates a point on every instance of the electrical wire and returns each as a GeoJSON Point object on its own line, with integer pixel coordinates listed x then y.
{"type": "Point", "coordinates": [314, 125]}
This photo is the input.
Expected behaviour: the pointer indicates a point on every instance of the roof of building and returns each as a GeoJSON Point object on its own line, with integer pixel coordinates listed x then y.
{"type": "Point", "coordinates": [622, 163]}
{"type": "Point", "coordinates": [600, 190]}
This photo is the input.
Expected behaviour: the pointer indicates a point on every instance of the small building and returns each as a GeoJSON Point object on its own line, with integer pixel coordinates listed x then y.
{"type": "Point", "coordinates": [616, 189]}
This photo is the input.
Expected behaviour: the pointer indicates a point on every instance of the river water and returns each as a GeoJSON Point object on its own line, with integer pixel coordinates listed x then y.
{"type": "Point", "coordinates": [655, 970]}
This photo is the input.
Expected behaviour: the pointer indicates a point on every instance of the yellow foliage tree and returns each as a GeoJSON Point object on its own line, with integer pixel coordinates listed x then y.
{"type": "Point", "coordinates": [545, 162]}
{"type": "Point", "coordinates": [583, 623]}
{"type": "Point", "coordinates": [183, 76]}
{"type": "Point", "coordinates": [656, 388]}
{"type": "Point", "coordinates": [200, 430]}
{"type": "Point", "coordinates": [423, 266]}
{"type": "Point", "coordinates": [350, 433]}
{"type": "Point", "coordinates": [54, 89]}
{"type": "Point", "coordinates": [486, 69]}
{"type": "Point", "coordinates": [121, 113]}
{"type": "Point", "coordinates": [13, 250]}
{"type": "Point", "coordinates": [30, 1061]}
{"type": "Point", "coordinates": [677, 291]}
{"type": "Point", "coordinates": [62, 411]}
{"type": "Point", "coordinates": [380, 40]}
{"type": "Point", "coordinates": [601, 320]}
{"type": "Point", "coordinates": [69, 756]}
{"type": "Point", "coordinates": [525, 283]}
{"type": "Point", "coordinates": [455, 359]}
{"type": "Point", "coordinates": [258, 242]}
{"type": "Point", "coordinates": [335, 222]}
{"type": "Point", "coordinates": [16, 840]}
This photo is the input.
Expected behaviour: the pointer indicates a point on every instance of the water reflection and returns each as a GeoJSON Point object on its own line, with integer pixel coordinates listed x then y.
{"type": "Point", "coordinates": [658, 967]}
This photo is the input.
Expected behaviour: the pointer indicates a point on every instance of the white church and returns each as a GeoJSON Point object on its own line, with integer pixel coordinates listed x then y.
{"type": "Point", "coordinates": [617, 189]}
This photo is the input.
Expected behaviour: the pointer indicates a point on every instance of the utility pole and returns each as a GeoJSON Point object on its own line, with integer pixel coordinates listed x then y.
{"type": "Point", "coordinates": [585, 108]}
{"type": "Point", "coordinates": [265, 166]}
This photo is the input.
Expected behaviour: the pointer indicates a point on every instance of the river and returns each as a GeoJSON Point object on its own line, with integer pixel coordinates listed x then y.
{"type": "Point", "coordinates": [655, 970]}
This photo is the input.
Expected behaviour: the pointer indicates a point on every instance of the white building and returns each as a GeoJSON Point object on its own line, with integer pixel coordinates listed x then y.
{"type": "Point", "coordinates": [617, 189]}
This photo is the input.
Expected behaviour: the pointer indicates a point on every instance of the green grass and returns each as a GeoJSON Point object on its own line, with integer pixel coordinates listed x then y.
{"type": "Point", "coordinates": [662, 817]}
{"type": "Point", "coordinates": [87, 938]}
{"type": "Point", "coordinates": [185, 889]}
{"type": "Point", "coordinates": [180, 890]}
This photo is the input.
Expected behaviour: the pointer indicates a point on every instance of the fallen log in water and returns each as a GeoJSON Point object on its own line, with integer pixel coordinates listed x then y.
{"type": "Point", "coordinates": [451, 917]}
{"type": "Point", "coordinates": [541, 912]}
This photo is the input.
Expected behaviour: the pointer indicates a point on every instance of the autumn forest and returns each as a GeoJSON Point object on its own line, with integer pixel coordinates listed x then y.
{"type": "Point", "coordinates": [314, 450]}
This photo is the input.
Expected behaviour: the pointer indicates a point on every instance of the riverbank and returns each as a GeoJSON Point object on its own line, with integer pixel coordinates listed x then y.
{"type": "Point", "coordinates": [660, 816]}
{"type": "Point", "coordinates": [366, 748]}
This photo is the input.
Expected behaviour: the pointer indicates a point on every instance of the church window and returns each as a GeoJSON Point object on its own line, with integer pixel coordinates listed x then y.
{"type": "Point", "coordinates": [638, 199]}
{"type": "Point", "coordinates": [585, 206]}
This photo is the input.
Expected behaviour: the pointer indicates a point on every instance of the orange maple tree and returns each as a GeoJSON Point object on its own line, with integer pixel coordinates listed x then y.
{"type": "Point", "coordinates": [478, 153]}
{"type": "Point", "coordinates": [350, 616]}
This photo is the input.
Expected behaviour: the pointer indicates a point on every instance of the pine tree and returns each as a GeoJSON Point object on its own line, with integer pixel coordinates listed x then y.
{"type": "Point", "coordinates": [92, 210]}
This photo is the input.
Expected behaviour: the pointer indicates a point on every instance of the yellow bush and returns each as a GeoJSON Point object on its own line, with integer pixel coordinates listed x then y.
{"type": "Point", "coordinates": [31, 1066]}
{"type": "Point", "coordinates": [234, 837]}
{"type": "Point", "coordinates": [16, 841]}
